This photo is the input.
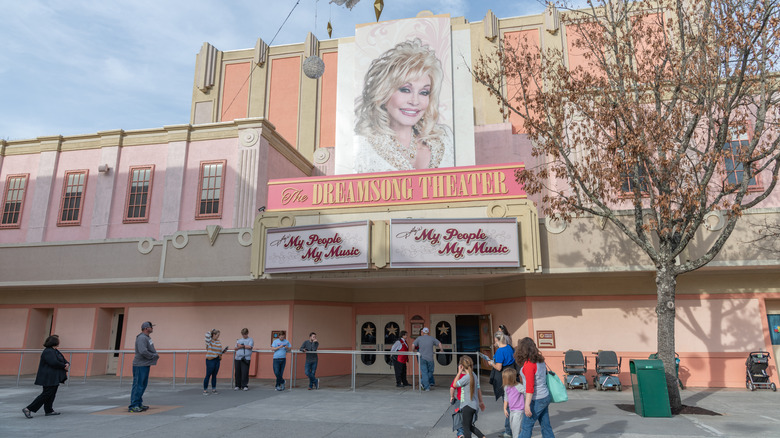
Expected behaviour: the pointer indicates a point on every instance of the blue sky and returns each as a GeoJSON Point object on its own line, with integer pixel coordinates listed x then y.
{"type": "Point", "coordinates": [83, 66]}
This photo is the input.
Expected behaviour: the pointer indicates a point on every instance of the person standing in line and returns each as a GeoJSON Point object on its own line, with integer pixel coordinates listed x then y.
{"type": "Point", "coordinates": [426, 344]}
{"type": "Point", "coordinates": [310, 368]}
{"type": "Point", "coordinates": [533, 370]}
{"type": "Point", "coordinates": [399, 365]}
{"type": "Point", "coordinates": [279, 347]}
{"type": "Point", "coordinates": [470, 394]}
{"type": "Point", "coordinates": [52, 370]}
{"type": "Point", "coordinates": [145, 356]}
{"type": "Point", "coordinates": [214, 352]}
{"type": "Point", "coordinates": [243, 357]}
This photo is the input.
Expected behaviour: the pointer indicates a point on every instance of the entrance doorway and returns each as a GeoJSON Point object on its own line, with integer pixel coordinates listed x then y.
{"type": "Point", "coordinates": [115, 340]}
{"type": "Point", "coordinates": [377, 333]}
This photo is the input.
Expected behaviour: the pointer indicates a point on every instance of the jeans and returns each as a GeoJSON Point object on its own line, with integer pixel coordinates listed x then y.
{"type": "Point", "coordinates": [45, 399]}
{"type": "Point", "coordinates": [426, 373]}
{"type": "Point", "coordinates": [310, 369]}
{"type": "Point", "coordinates": [140, 380]}
{"type": "Point", "coordinates": [212, 368]}
{"type": "Point", "coordinates": [540, 413]}
{"type": "Point", "coordinates": [242, 373]}
{"type": "Point", "coordinates": [279, 371]}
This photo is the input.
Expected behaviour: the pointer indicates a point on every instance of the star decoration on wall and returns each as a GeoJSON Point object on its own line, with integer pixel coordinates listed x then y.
{"type": "Point", "coordinates": [392, 330]}
{"type": "Point", "coordinates": [369, 331]}
{"type": "Point", "coordinates": [443, 330]}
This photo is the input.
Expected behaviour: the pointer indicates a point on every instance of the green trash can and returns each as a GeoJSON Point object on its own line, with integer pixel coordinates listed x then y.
{"type": "Point", "coordinates": [648, 383]}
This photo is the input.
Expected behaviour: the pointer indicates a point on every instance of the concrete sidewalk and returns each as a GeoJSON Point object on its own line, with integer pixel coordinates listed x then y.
{"type": "Point", "coordinates": [98, 408]}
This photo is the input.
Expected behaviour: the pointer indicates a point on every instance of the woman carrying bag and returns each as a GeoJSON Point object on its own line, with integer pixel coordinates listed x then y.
{"type": "Point", "coordinates": [533, 370]}
{"type": "Point", "coordinates": [52, 370]}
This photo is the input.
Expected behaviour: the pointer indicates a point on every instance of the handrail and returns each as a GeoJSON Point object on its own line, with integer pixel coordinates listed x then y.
{"type": "Point", "coordinates": [415, 366]}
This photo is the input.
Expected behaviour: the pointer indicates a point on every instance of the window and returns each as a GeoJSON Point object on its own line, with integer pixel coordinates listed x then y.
{"type": "Point", "coordinates": [13, 201]}
{"type": "Point", "coordinates": [210, 190]}
{"type": "Point", "coordinates": [774, 328]}
{"type": "Point", "coordinates": [628, 181]}
{"type": "Point", "coordinates": [72, 196]}
{"type": "Point", "coordinates": [734, 165]}
{"type": "Point", "coordinates": [139, 194]}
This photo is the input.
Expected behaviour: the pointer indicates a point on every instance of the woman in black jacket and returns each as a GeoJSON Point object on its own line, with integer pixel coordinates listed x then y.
{"type": "Point", "coordinates": [52, 370]}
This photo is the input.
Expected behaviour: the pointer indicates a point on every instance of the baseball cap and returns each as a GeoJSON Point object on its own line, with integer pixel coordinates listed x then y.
{"type": "Point", "coordinates": [146, 325]}
{"type": "Point", "coordinates": [425, 330]}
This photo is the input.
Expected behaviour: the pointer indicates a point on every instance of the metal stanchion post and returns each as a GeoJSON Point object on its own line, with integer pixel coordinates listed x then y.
{"type": "Point", "coordinates": [293, 371]}
{"type": "Point", "coordinates": [186, 367]}
{"type": "Point", "coordinates": [353, 371]}
{"type": "Point", "coordinates": [86, 368]}
{"type": "Point", "coordinates": [122, 369]}
{"type": "Point", "coordinates": [174, 370]}
{"type": "Point", "coordinates": [19, 372]}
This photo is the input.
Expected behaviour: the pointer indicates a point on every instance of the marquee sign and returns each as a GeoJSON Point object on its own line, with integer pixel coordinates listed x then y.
{"type": "Point", "coordinates": [445, 243]}
{"type": "Point", "coordinates": [397, 188]}
{"type": "Point", "coordinates": [317, 247]}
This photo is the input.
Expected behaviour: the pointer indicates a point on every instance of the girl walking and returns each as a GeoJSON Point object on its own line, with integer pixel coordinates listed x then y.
{"type": "Point", "coordinates": [470, 394]}
{"type": "Point", "coordinates": [514, 400]}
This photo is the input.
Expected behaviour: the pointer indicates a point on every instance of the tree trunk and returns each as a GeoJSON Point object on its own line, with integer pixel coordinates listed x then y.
{"type": "Point", "coordinates": [666, 283]}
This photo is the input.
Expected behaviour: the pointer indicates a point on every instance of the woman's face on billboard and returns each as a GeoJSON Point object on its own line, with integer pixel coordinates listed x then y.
{"type": "Point", "coordinates": [408, 103]}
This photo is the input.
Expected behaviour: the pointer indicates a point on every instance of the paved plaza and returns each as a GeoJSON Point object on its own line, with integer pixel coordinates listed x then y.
{"type": "Point", "coordinates": [98, 408]}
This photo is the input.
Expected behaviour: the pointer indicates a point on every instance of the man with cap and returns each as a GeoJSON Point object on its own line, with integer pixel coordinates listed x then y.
{"type": "Point", "coordinates": [145, 356]}
{"type": "Point", "coordinates": [425, 345]}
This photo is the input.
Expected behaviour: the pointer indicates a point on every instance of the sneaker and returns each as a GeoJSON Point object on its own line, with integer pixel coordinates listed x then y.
{"type": "Point", "coordinates": [281, 388]}
{"type": "Point", "coordinates": [246, 388]}
{"type": "Point", "coordinates": [317, 384]}
{"type": "Point", "coordinates": [399, 385]}
{"type": "Point", "coordinates": [214, 391]}
{"type": "Point", "coordinates": [145, 408]}
{"type": "Point", "coordinates": [205, 392]}
{"type": "Point", "coordinates": [507, 435]}
{"type": "Point", "coordinates": [135, 409]}
{"type": "Point", "coordinates": [27, 413]}
{"type": "Point", "coordinates": [236, 388]}
{"type": "Point", "coordinates": [427, 389]}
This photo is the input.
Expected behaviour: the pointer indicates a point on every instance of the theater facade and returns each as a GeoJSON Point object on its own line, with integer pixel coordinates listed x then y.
{"type": "Point", "coordinates": [255, 214]}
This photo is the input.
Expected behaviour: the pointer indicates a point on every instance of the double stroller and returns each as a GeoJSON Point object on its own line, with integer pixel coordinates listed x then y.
{"type": "Point", "coordinates": [755, 371]}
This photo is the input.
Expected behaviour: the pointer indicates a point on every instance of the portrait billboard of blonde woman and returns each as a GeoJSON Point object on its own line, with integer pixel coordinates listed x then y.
{"type": "Point", "coordinates": [403, 108]}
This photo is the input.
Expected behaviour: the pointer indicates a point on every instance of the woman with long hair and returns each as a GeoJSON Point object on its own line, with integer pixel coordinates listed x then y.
{"type": "Point", "coordinates": [52, 370]}
{"type": "Point", "coordinates": [397, 113]}
{"type": "Point", "coordinates": [470, 394]}
{"type": "Point", "coordinates": [533, 370]}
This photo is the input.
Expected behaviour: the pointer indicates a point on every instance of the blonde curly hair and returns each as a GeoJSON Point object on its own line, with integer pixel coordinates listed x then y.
{"type": "Point", "coordinates": [408, 60]}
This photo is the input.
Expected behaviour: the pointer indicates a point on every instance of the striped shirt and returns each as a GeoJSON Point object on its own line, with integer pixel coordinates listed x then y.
{"type": "Point", "coordinates": [213, 350]}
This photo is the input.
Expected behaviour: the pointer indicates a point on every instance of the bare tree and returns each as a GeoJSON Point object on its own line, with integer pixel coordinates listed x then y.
{"type": "Point", "coordinates": [671, 115]}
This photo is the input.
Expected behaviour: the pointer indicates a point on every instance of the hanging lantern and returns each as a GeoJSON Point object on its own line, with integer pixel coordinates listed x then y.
{"type": "Point", "coordinates": [330, 30]}
{"type": "Point", "coordinates": [313, 67]}
{"type": "Point", "coordinates": [378, 6]}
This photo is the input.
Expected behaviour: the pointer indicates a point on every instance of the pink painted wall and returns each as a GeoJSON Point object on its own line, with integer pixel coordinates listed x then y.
{"type": "Point", "coordinates": [328, 100]}
{"type": "Point", "coordinates": [14, 165]}
{"type": "Point", "coordinates": [138, 156]}
{"type": "Point", "coordinates": [284, 96]}
{"type": "Point", "coordinates": [331, 323]}
{"type": "Point", "coordinates": [515, 41]}
{"type": "Point", "coordinates": [69, 161]}
{"type": "Point", "coordinates": [235, 93]}
{"type": "Point", "coordinates": [209, 150]}
{"type": "Point", "coordinates": [181, 327]}
{"type": "Point", "coordinates": [75, 326]}
{"type": "Point", "coordinates": [14, 327]}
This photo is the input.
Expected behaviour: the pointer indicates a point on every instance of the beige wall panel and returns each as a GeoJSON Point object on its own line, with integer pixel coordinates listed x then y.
{"type": "Point", "coordinates": [14, 328]}
{"type": "Point", "coordinates": [70, 263]}
{"type": "Point", "coordinates": [514, 315]}
{"type": "Point", "coordinates": [75, 326]}
{"type": "Point", "coordinates": [198, 259]}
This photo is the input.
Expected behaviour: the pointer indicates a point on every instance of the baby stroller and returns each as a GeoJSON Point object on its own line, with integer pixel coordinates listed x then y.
{"type": "Point", "coordinates": [607, 365]}
{"type": "Point", "coordinates": [575, 365]}
{"type": "Point", "coordinates": [755, 371]}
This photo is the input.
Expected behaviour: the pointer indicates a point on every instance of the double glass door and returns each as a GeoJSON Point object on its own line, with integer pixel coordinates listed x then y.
{"type": "Point", "coordinates": [377, 333]}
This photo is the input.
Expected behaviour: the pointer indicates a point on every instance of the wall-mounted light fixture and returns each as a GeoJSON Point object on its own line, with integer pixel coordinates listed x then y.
{"type": "Point", "coordinates": [103, 168]}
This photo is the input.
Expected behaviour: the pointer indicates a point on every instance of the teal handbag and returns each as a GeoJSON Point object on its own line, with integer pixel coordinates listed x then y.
{"type": "Point", "coordinates": [557, 390]}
